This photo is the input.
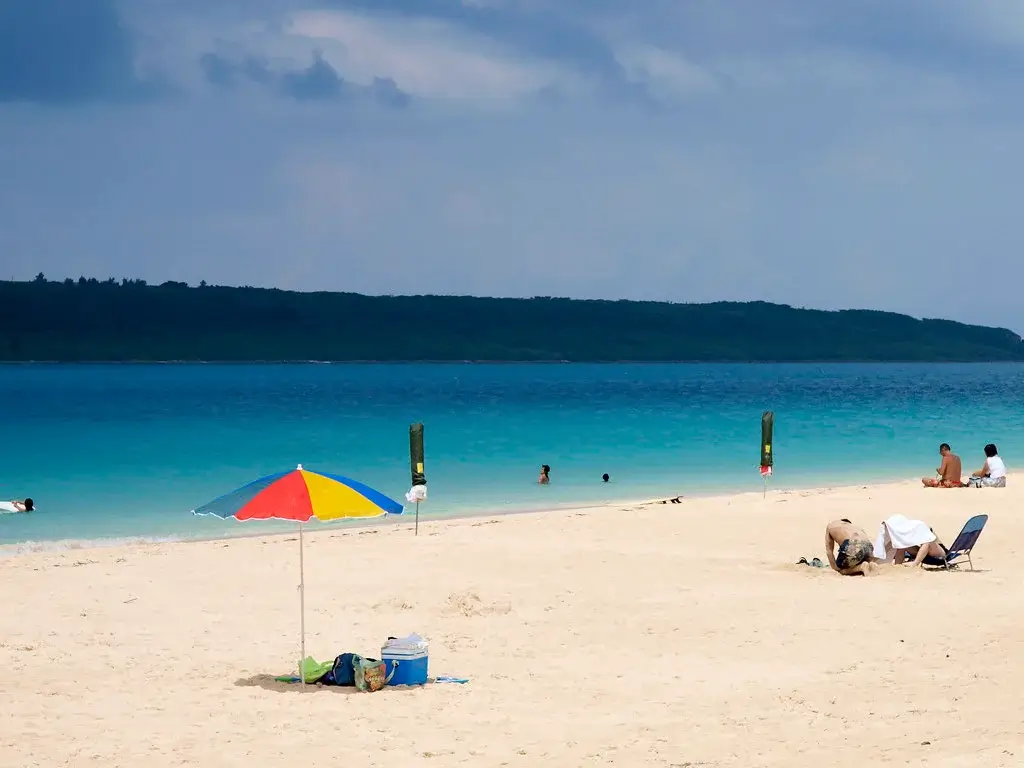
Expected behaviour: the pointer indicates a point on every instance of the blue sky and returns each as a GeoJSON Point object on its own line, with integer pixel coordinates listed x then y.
{"type": "Point", "coordinates": [827, 154]}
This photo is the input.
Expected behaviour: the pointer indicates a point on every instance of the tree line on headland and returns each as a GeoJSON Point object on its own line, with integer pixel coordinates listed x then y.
{"type": "Point", "coordinates": [89, 320]}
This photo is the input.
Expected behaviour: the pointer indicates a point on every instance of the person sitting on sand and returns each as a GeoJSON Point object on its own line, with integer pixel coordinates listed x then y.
{"type": "Point", "coordinates": [993, 472]}
{"type": "Point", "coordinates": [949, 471]}
{"type": "Point", "coordinates": [545, 472]}
{"type": "Point", "coordinates": [855, 554]}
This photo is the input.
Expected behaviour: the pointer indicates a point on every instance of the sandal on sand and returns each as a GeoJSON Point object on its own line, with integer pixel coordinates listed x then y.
{"type": "Point", "coordinates": [813, 563]}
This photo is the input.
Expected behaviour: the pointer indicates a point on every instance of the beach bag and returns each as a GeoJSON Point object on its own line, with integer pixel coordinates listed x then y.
{"type": "Point", "coordinates": [370, 674]}
{"type": "Point", "coordinates": [341, 673]}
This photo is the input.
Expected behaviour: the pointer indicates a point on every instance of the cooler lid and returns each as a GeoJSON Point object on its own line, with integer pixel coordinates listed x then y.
{"type": "Point", "coordinates": [403, 653]}
{"type": "Point", "coordinates": [412, 642]}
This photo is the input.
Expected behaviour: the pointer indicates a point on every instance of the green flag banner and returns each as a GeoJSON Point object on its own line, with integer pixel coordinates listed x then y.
{"type": "Point", "coordinates": [416, 454]}
{"type": "Point", "coordinates": [767, 454]}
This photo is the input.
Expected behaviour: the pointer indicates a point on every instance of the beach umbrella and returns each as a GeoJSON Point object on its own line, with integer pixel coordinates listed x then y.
{"type": "Point", "coordinates": [301, 495]}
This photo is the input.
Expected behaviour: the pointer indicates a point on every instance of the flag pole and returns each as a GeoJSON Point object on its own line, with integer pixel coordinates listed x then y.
{"type": "Point", "coordinates": [418, 492]}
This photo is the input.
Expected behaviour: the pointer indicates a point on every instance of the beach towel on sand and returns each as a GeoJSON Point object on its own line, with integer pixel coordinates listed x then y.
{"type": "Point", "coordinates": [899, 532]}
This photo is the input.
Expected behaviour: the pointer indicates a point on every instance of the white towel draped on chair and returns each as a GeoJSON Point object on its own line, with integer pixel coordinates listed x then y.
{"type": "Point", "coordinates": [899, 532]}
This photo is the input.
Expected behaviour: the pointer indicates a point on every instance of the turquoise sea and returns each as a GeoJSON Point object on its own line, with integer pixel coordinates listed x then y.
{"type": "Point", "coordinates": [126, 451]}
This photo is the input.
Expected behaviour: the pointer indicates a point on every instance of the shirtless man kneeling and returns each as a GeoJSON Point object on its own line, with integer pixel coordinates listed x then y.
{"type": "Point", "coordinates": [856, 552]}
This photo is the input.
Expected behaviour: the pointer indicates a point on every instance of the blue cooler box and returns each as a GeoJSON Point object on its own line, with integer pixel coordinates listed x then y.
{"type": "Point", "coordinates": [407, 658]}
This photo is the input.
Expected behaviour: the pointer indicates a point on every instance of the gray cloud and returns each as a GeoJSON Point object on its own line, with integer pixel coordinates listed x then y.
{"type": "Point", "coordinates": [317, 82]}
{"type": "Point", "coordinates": [791, 157]}
{"type": "Point", "coordinates": [218, 71]}
{"type": "Point", "coordinates": [386, 91]}
{"type": "Point", "coordinates": [64, 52]}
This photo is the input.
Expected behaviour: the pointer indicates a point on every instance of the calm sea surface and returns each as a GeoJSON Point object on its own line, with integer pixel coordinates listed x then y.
{"type": "Point", "coordinates": [126, 451]}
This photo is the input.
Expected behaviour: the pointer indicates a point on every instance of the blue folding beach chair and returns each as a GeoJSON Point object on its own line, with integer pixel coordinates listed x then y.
{"type": "Point", "coordinates": [962, 546]}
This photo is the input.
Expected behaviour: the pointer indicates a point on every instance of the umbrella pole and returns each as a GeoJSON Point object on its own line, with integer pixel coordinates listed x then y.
{"type": "Point", "coordinates": [302, 607]}
{"type": "Point", "coordinates": [417, 518]}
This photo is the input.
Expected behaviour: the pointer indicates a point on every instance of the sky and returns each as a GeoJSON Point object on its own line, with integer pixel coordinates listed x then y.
{"type": "Point", "coordinates": [849, 153]}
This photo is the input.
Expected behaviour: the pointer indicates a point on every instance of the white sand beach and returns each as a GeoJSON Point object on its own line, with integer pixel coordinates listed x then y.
{"type": "Point", "coordinates": [662, 635]}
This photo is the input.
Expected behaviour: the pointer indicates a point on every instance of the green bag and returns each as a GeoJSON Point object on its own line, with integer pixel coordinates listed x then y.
{"type": "Point", "coordinates": [370, 674]}
{"type": "Point", "coordinates": [312, 670]}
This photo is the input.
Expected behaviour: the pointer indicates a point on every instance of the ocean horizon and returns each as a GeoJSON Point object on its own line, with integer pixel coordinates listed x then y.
{"type": "Point", "coordinates": [114, 452]}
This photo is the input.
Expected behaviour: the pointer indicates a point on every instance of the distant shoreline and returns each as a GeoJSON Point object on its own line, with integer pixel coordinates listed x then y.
{"type": "Point", "coordinates": [820, 485]}
{"type": "Point", "coordinates": [42, 546]}
{"type": "Point", "coordinates": [92, 321]}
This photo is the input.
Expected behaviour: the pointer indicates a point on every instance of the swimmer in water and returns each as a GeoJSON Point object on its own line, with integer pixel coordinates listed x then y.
{"type": "Point", "coordinates": [545, 472]}
{"type": "Point", "coordinates": [24, 506]}
{"type": "Point", "coordinates": [605, 477]}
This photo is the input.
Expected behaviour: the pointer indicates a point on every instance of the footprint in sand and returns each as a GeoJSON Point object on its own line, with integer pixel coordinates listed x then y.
{"type": "Point", "coordinates": [470, 604]}
{"type": "Point", "coordinates": [394, 604]}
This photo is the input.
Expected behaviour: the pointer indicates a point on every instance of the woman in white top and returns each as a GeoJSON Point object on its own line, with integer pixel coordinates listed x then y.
{"type": "Point", "coordinates": [993, 473]}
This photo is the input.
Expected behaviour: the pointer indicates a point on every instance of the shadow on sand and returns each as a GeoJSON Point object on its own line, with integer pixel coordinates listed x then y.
{"type": "Point", "coordinates": [269, 683]}
{"type": "Point", "coordinates": [880, 570]}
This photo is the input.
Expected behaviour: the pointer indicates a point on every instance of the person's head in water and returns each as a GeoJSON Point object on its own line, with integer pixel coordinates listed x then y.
{"type": "Point", "coordinates": [944, 449]}
{"type": "Point", "coordinates": [990, 450]}
{"type": "Point", "coordinates": [545, 472]}
{"type": "Point", "coordinates": [29, 505]}
{"type": "Point", "coordinates": [605, 477]}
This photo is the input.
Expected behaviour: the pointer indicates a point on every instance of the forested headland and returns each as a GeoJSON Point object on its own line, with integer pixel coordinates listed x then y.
{"type": "Point", "coordinates": [89, 320]}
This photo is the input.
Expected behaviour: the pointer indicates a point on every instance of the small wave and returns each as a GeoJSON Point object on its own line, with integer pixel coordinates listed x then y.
{"type": "Point", "coordinates": [70, 545]}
